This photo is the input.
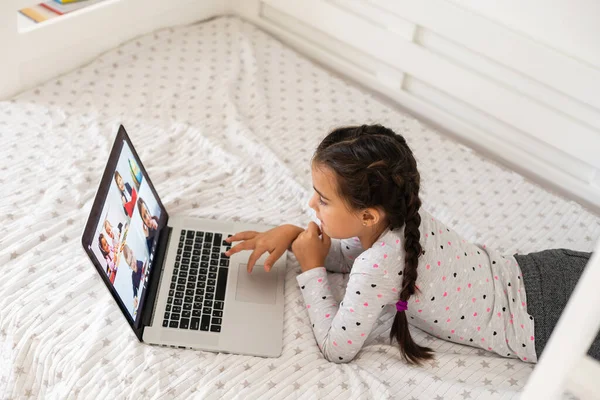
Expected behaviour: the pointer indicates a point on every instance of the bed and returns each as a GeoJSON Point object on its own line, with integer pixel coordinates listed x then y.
{"type": "Point", "coordinates": [225, 119]}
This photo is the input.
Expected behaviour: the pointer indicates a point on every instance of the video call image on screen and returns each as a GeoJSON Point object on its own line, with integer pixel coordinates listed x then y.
{"type": "Point", "coordinates": [124, 238]}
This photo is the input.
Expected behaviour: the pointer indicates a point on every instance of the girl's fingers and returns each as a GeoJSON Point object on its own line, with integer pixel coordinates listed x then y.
{"type": "Point", "coordinates": [313, 228]}
{"type": "Point", "coordinates": [273, 258]}
{"type": "Point", "coordinates": [247, 245]}
{"type": "Point", "coordinates": [254, 257]}
{"type": "Point", "coordinates": [246, 235]}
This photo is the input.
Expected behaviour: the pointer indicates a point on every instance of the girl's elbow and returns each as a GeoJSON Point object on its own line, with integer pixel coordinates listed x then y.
{"type": "Point", "coordinates": [337, 358]}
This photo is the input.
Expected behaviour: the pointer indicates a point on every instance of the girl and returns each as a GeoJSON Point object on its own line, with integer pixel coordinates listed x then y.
{"type": "Point", "coordinates": [149, 223]}
{"type": "Point", "coordinates": [366, 196]}
{"type": "Point", "coordinates": [109, 254]}
{"type": "Point", "coordinates": [138, 269]}
{"type": "Point", "coordinates": [128, 194]}
{"type": "Point", "coordinates": [109, 231]}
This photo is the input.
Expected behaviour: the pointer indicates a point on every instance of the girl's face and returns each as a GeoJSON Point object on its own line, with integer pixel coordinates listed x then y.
{"type": "Point", "coordinates": [120, 184]}
{"type": "Point", "coordinates": [104, 244]}
{"type": "Point", "coordinates": [146, 216]}
{"type": "Point", "coordinates": [338, 221]}
{"type": "Point", "coordinates": [108, 228]}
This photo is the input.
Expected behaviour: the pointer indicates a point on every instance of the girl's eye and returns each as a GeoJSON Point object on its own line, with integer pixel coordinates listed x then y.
{"type": "Point", "coordinates": [321, 202]}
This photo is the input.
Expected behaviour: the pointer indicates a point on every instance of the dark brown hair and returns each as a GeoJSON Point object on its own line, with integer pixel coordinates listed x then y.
{"type": "Point", "coordinates": [100, 237]}
{"type": "Point", "coordinates": [375, 168]}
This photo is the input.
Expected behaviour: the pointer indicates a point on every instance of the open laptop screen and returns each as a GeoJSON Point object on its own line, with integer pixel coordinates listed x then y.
{"type": "Point", "coordinates": [123, 227]}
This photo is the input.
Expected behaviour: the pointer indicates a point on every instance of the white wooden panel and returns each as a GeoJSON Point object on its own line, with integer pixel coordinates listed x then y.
{"type": "Point", "coordinates": [485, 123]}
{"type": "Point", "coordinates": [497, 72]}
{"type": "Point", "coordinates": [583, 380]}
{"type": "Point", "coordinates": [9, 49]}
{"type": "Point", "coordinates": [570, 26]}
{"type": "Point", "coordinates": [344, 52]}
{"type": "Point", "coordinates": [493, 98]}
{"type": "Point", "coordinates": [378, 17]}
{"type": "Point", "coordinates": [570, 76]}
{"type": "Point", "coordinates": [340, 49]}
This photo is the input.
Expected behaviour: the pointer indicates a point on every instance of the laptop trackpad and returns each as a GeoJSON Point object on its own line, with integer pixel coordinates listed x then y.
{"type": "Point", "coordinates": [256, 287]}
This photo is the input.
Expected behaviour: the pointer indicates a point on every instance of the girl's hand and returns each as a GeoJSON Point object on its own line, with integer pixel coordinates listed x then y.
{"type": "Point", "coordinates": [310, 249]}
{"type": "Point", "coordinates": [276, 241]}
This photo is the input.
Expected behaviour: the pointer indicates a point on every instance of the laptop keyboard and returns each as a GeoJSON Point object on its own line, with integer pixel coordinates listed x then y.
{"type": "Point", "coordinates": [198, 283]}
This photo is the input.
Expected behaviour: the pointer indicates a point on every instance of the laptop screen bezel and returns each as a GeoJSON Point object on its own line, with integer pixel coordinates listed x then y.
{"type": "Point", "coordinates": [94, 220]}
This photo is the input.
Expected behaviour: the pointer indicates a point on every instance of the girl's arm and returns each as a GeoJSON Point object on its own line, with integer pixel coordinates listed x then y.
{"type": "Point", "coordinates": [342, 254]}
{"type": "Point", "coordinates": [341, 330]}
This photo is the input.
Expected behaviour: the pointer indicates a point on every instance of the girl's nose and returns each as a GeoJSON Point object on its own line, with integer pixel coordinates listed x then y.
{"type": "Point", "coordinates": [312, 203]}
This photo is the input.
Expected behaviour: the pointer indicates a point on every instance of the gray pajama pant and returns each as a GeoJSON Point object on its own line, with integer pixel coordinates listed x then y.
{"type": "Point", "coordinates": [549, 277]}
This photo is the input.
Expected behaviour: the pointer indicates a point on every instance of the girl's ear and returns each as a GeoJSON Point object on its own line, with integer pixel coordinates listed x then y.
{"type": "Point", "coordinates": [371, 216]}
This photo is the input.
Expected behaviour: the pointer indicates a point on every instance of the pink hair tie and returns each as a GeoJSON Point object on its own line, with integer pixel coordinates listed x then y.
{"type": "Point", "coordinates": [401, 306]}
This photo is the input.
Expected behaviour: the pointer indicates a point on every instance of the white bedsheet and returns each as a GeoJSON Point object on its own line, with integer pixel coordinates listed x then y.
{"type": "Point", "coordinates": [225, 119]}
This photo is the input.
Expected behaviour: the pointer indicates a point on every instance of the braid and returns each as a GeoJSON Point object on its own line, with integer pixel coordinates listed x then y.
{"type": "Point", "coordinates": [412, 247]}
{"type": "Point", "coordinates": [412, 352]}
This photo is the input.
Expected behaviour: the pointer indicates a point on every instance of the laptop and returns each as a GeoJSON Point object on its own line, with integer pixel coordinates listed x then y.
{"type": "Point", "coordinates": [169, 274]}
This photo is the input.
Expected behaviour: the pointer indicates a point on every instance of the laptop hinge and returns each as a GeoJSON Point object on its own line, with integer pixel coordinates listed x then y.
{"type": "Point", "coordinates": [156, 275]}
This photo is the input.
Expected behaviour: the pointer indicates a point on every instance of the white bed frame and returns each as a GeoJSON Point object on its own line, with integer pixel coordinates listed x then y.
{"type": "Point", "coordinates": [517, 79]}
